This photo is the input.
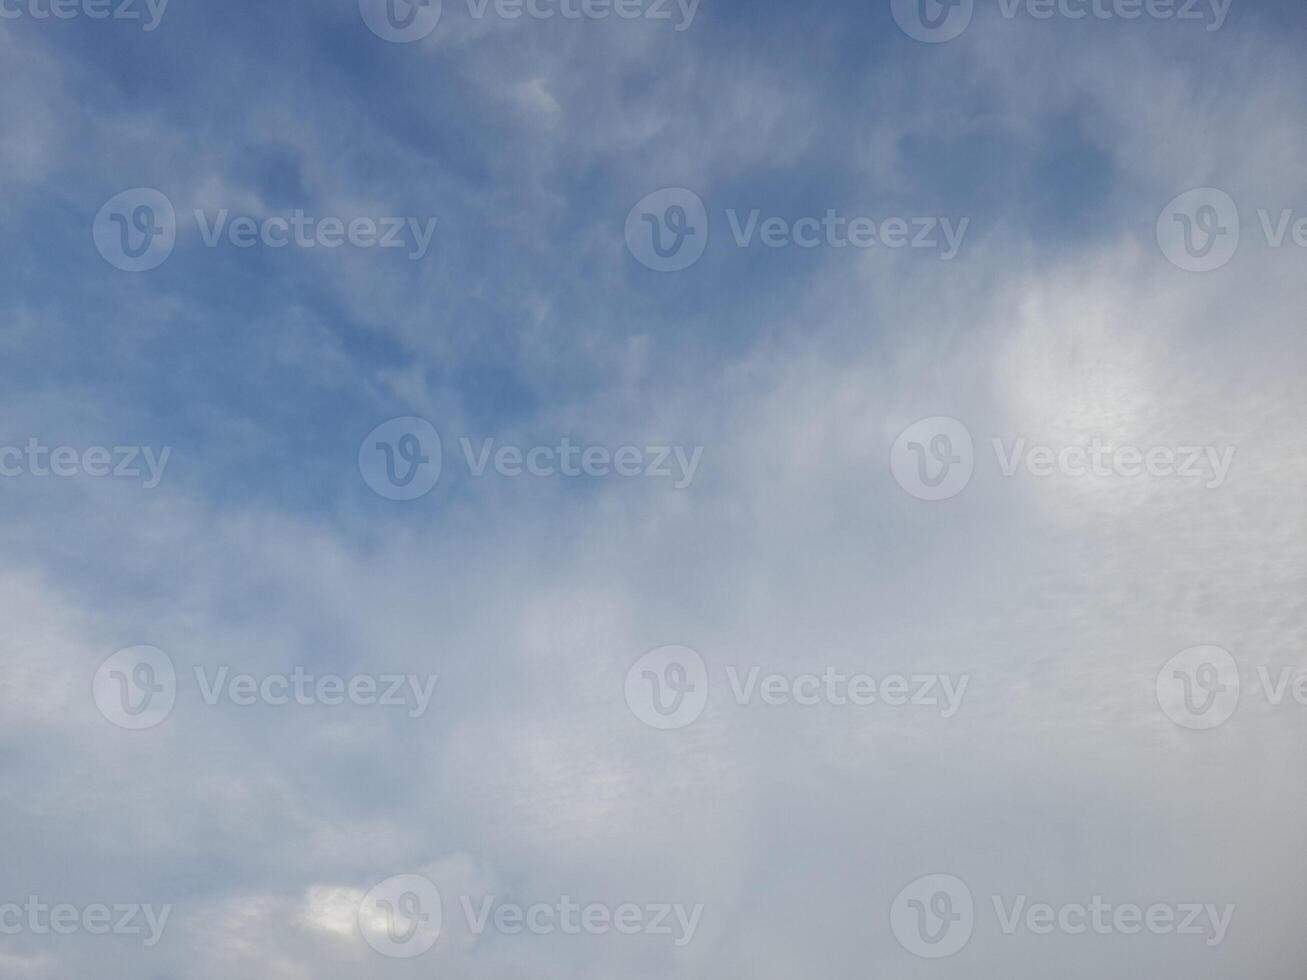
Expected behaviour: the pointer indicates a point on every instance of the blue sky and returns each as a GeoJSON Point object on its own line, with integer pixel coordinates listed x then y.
{"type": "Point", "coordinates": [798, 541]}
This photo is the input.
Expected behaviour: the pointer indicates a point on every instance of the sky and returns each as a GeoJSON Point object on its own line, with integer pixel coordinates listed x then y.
{"type": "Point", "coordinates": [624, 488]}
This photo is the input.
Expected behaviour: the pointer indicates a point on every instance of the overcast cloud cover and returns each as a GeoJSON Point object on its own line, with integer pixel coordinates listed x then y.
{"type": "Point", "coordinates": [785, 530]}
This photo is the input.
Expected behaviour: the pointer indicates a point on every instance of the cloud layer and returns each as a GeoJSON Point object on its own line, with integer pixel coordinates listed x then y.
{"type": "Point", "coordinates": [794, 550]}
